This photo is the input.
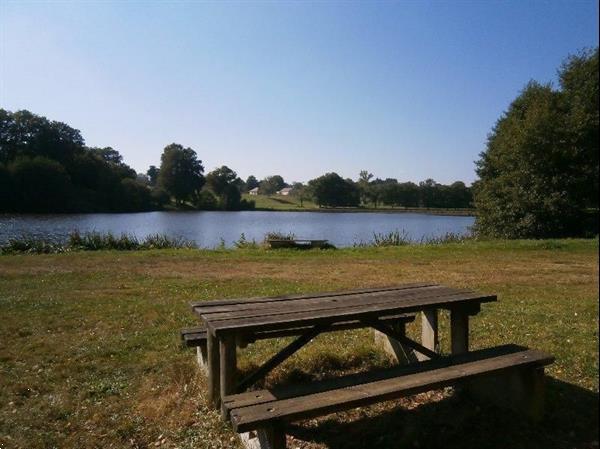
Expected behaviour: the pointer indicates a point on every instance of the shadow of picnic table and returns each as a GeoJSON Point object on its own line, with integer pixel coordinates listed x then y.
{"type": "Point", "coordinates": [570, 421]}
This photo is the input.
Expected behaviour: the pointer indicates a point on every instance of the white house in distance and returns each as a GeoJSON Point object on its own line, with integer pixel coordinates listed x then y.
{"type": "Point", "coordinates": [285, 191]}
{"type": "Point", "coordinates": [253, 191]}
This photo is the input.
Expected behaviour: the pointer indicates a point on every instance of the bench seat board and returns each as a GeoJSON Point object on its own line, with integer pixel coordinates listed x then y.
{"type": "Point", "coordinates": [252, 410]}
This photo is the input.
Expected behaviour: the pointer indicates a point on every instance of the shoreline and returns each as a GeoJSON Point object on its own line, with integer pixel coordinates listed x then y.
{"type": "Point", "coordinates": [446, 212]}
{"type": "Point", "coordinates": [441, 212]}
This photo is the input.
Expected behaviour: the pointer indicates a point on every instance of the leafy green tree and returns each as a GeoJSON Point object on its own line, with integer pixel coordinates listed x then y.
{"type": "Point", "coordinates": [334, 191]}
{"type": "Point", "coordinates": [41, 185]}
{"type": "Point", "coordinates": [218, 179]}
{"type": "Point", "coordinates": [458, 195]}
{"type": "Point", "coordinates": [272, 184]}
{"type": "Point", "coordinates": [23, 134]}
{"type": "Point", "coordinates": [152, 174]}
{"type": "Point", "coordinates": [251, 183]}
{"type": "Point", "coordinates": [224, 182]}
{"type": "Point", "coordinates": [181, 173]}
{"type": "Point", "coordinates": [6, 189]}
{"type": "Point", "coordinates": [579, 86]}
{"type": "Point", "coordinates": [365, 189]}
{"type": "Point", "coordinates": [299, 191]}
{"type": "Point", "coordinates": [539, 171]}
{"type": "Point", "coordinates": [133, 196]}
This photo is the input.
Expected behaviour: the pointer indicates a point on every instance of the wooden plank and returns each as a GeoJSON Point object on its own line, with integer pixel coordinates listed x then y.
{"type": "Point", "coordinates": [326, 303]}
{"type": "Point", "coordinates": [193, 339]}
{"type": "Point", "coordinates": [347, 304]}
{"type": "Point", "coordinates": [401, 318]}
{"type": "Point", "coordinates": [459, 330]}
{"type": "Point", "coordinates": [317, 404]}
{"type": "Point", "coordinates": [197, 338]}
{"type": "Point", "coordinates": [191, 330]}
{"type": "Point", "coordinates": [256, 397]}
{"type": "Point", "coordinates": [213, 368]}
{"type": "Point", "coordinates": [336, 315]}
{"type": "Point", "coordinates": [228, 367]}
{"type": "Point", "coordinates": [255, 300]}
{"type": "Point", "coordinates": [429, 330]}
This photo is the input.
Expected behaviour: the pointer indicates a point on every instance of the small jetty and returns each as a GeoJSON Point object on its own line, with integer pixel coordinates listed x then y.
{"type": "Point", "coordinates": [298, 243]}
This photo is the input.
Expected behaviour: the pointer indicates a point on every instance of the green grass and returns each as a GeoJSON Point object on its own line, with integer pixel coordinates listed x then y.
{"type": "Point", "coordinates": [90, 355]}
{"type": "Point", "coordinates": [280, 202]}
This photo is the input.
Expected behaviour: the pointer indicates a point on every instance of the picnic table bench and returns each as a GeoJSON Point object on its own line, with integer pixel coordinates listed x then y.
{"type": "Point", "coordinates": [517, 372]}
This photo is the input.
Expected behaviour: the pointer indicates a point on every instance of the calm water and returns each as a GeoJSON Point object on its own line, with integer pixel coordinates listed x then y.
{"type": "Point", "coordinates": [208, 228]}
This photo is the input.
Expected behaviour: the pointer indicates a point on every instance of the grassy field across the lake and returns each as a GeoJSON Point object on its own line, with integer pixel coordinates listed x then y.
{"type": "Point", "coordinates": [90, 354]}
{"type": "Point", "coordinates": [290, 203]}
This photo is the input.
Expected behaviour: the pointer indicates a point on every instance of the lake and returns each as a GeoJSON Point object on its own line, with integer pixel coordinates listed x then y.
{"type": "Point", "coordinates": [208, 229]}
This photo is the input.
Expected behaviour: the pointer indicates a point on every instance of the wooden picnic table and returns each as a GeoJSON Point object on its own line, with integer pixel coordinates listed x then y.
{"type": "Point", "coordinates": [233, 322]}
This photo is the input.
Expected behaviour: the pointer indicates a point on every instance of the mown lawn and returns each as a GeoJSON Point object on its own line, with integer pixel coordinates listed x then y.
{"type": "Point", "coordinates": [280, 202]}
{"type": "Point", "coordinates": [90, 354]}
{"type": "Point", "coordinates": [292, 203]}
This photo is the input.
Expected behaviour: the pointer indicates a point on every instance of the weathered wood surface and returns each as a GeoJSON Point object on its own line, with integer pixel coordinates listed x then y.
{"type": "Point", "coordinates": [196, 336]}
{"type": "Point", "coordinates": [198, 305]}
{"type": "Point", "coordinates": [256, 409]}
{"type": "Point", "coordinates": [193, 336]}
{"type": "Point", "coordinates": [270, 314]}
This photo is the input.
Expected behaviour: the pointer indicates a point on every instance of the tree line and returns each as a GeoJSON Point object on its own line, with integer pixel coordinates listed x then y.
{"type": "Point", "coordinates": [46, 167]}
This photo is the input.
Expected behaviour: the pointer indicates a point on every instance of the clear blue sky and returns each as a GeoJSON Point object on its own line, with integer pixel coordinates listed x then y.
{"type": "Point", "coordinates": [404, 89]}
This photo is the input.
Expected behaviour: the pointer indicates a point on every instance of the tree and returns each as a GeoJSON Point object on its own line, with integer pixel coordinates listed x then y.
{"type": "Point", "coordinates": [224, 183]}
{"type": "Point", "coordinates": [41, 185]}
{"type": "Point", "coordinates": [6, 189]}
{"type": "Point", "coordinates": [181, 173]}
{"type": "Point", "coordinates": [364, 177]}
{"type": "Point", "coordinates": [108, 154]}
{"type": "Point", "coordinates": [579, 83]}
{"type": "Point", "coordinates": [299, 191]}
{"type": "Point", "coordinates": [272, 184]}
{"type": "Point", "coordinates": [152, 174]}
{"type": "Point", "coordinates": [430, 193]}
{"type": "Point", "coordinates": [218, 179]}
{"type": "Point", "coordinates": [134, 196]}
{"type": "Point", "coordinates": [251, 183]}
{"type": "Point", "coordinates": [28, 135]}
{"type": "Point", "coordinates": [334, 191]}
{"type": "Point", "coordinates": [539, 171]}
{"type": "Point", "coordinates": [458, 195]}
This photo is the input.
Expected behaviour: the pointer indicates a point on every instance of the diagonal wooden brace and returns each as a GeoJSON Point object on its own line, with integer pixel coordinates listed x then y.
{"type": "Point", "coordinates": [402, 339]}
{"type": "Point", "coordinates": [280, 357]}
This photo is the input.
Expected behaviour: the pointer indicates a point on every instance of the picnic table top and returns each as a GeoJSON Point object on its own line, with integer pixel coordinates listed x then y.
{"type": "Point", "coordinates": [283, 312]}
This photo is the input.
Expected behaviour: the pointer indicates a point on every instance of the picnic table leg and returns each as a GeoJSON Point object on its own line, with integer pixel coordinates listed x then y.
{"type": "Point", "coordinates": [429, 332]}
{"type": "Point", "coordinates": [213, 367]}
{"type": "Point", "coordinates": [227, 350]}
{"type": "Point", "coordinates": [459, 330]}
